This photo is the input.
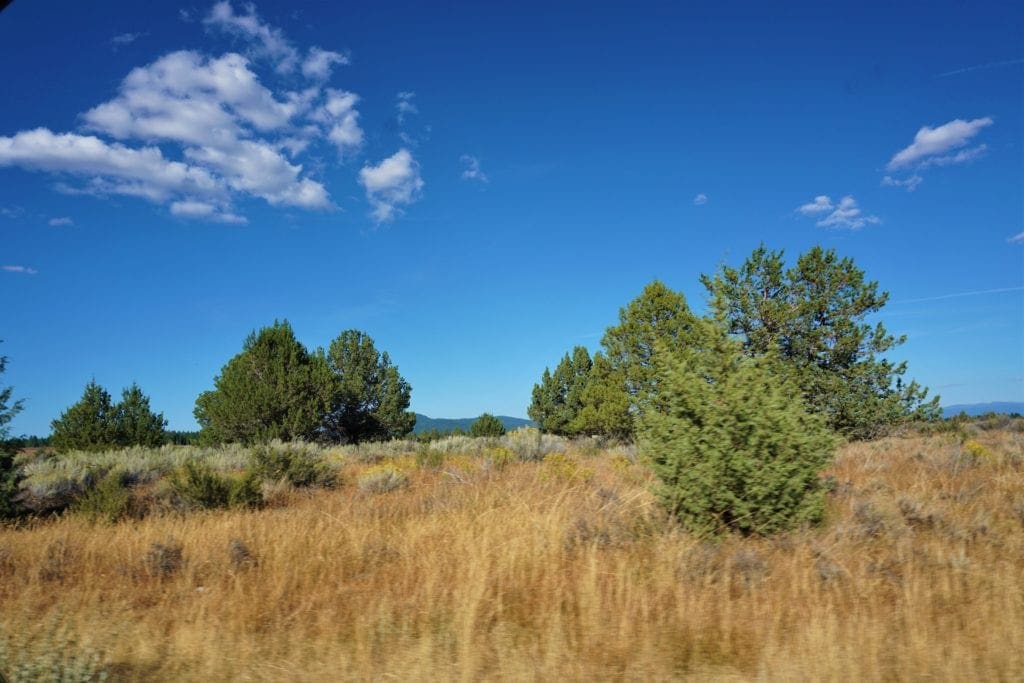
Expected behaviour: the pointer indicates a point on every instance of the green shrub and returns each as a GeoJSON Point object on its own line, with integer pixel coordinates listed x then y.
{"type": "Point", "coordinates": [198, 486]}
{"type": "Point", "coordinates": [429, 458]}
{"type": "Point", "coordinates": [486, 425]}
{"type": "Point", "coordinates": [733, 448]}
{"type": "Point", "coordinates": [108, 501]}
{"type": "Point", "coordinates": [298, 464]}
{"type": "Point", "coordinates": [245, 490]}
{"type": "Point", "coordinates": [49, 655]}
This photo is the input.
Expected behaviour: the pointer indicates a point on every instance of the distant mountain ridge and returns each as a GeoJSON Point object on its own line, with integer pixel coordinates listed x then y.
{"type": "Point", "coordinates": [975, 409]}
{"type": "Point", "coordinates": [446, 424]}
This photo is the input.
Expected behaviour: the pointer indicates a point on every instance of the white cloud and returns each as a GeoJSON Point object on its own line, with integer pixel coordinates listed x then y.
{"type": "Point", "coordinates": [910, 184]}
{"type": "Point", "coordinates": [341, 120]}
{"type": "Point", "coordinates": [1017, 239]}
{"type": "Point", "coordinates": [119, 169]}
{"type": "Point", "coordinates": [821, 204]}
{"type": "Point", "coordinates": [125, 39]}
{"type": "Point", "coordinates": [700, 200]}
{"type": "Point", "coordinates": [404, 105]}
{"type": "Point", "coordinates": [24, 270]}
{"type": "Point", "coordinates": [931, 143]}
{"type": "Point", "coordinates": [471, 169]}
{"type": "Point", "coordinates": [393, 183]}
{"type": "Point", "coordinates": [319, 63]}
{"type": "Point", "coordinates": [63, 220]}
{"type": "Point", "coordinates": [845, 215]}
{"type": "Point", "coordinates": [268, 41]}
{"type": "Point", "coordinates": [190, 208]}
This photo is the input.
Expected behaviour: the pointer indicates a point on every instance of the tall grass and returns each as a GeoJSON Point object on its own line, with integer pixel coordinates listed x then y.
{"type": "Point", "coordinates": [515, 573]}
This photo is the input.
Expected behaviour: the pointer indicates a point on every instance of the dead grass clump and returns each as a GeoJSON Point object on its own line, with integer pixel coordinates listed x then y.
{"type": "Point", "coordinates": [164, 560]}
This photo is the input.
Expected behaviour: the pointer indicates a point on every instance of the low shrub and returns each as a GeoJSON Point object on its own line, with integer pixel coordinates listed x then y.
{"type": "Point", "coordinates": [381, 479]}
{"type": "Point", "coordinates": [299, 464]}
{"type": "Point", "coordinates": [50, 655]}
{"type": "Point", "coordinates": [429, 458]}
{"type": "Point", "coordinates": [108, 501]}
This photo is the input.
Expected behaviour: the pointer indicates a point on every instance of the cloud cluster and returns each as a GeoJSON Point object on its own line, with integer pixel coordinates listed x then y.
{"type": "Point", "coordinates": [939, 146]}
{"type": "Point", "coordinates": [196, 132]}
{"type": "Point", "coordinates": [391, 184]}
{"type": "Point", "coordinates": [61, 221]}
{"type": "Point", "coordinates": [700, 200]}
{"type": "Point", "coordinates": [844, 215]}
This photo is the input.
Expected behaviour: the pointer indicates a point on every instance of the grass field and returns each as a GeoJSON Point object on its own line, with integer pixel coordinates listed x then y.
{"type": "Point", "coordinates": [543, 570]}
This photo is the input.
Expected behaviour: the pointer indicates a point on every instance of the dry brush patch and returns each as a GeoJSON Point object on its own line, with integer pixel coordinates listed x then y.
{"type": "Point", "coordinates": [549, 570]}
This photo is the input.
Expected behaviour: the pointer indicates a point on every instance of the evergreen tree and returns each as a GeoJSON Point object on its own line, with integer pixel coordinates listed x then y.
{"type": "Point", "coordinates": [657, 316]}
{"type": "Point", "coordinates": [486, 425]}
{"type": "Point", "coordinates": [731, 449]}
{"type": "Point", "coordinates": [558, 398]}
{"type": "Point", "coordinates": [813, 316]}
{"type": "Point", "coordinates": [88, 425]}
{"type": "Point", "coordinates": [273, 389]}
{"type": "Point", "coordinates": [604, 403]}
{"type": "Point", "coordinates": [136, 424]}
{"type": "Point", "coordinates": [8, 472]}
{"type": "Point", "coordinates": [370, 399]}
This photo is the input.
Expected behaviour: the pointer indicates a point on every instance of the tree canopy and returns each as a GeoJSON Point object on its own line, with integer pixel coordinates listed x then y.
{"type": "Point", "coordinates": [95, 423]}
{"type": "Point", "coordinates": [8, 473]}
{"type": "Point", "coordinates": [487, 425]}
{"type": "Point", "coordinates": [814, 317]}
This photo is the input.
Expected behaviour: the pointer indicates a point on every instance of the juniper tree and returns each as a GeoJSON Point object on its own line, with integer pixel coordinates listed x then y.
{"type": "Point", "coordinates": [486, 425]}
{"type": "Point", "coordinates": [135, 423]}
{"type": "Point", "coordinates": [88, 425]}
{"type": "Point", "coordinates": [273, 389]}
{"type": "Point", "coordinates": [814, 317]}
{"type": "Point", "coordinates": [8, 472]}
{"type": "Point", "coordinates": [604, 403]}
{"type": "Point", "coordinates": [732, 451]}
{"type": "Point", "coordinates": [558, 398]}
{"type": "Point", "coordinates": [369, 398]}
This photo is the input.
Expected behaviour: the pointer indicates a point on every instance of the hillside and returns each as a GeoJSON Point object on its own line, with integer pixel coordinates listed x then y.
{"type": "Point", "coordinates": [975, 409]}
{"type": "Point", "coordinates": [447, 424]}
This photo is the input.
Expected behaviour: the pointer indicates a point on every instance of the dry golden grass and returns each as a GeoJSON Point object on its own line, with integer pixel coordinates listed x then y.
{"type": "Point", "coordinates": [532, 573]}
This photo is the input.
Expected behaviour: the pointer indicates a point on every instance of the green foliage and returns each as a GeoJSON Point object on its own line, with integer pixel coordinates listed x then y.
{"type": "Point", "coordinates": [604, 404]}
{"type": "Point", "coordinates": [486, 425]}
{"type": "Point", "coordinates": [50, 654]}
{"type": "Point", "coordinates": [96, 424]}
{"type": "Point", "coordinates": [429, 458]}
{"type": "Point", "coordinates": [657, 316]}
{"type": "Point", "coordinates": [197, 485]}
{"type": "Point", "coordinates": [135, 423]}
{"type": "Point", "coordinates": [558, 398]}
{"type": "Point", "coordinates": [731, 448]}
{"type": "Point", "coordinates": [813, 317]}
{"type": "Point", "coordinates": [297, 464]}
{"type": "Point", "coordinates": [273, 389]}
{"type": "Point", "coordinates": [8, 471]}
{"type": "Point", "coordinates": [108, 501]}
{"type": "Point", "coordinates": [382, 479]}
{"type": "Point", "coordinates": [370, 400]}
{"type": "Point", "coordinates": [89, 425]}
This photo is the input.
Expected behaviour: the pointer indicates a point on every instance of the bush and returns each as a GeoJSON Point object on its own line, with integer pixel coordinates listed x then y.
{"type": "Point", "coordinates": [429, 458]}
{"type": "Point", "coordinates": [197, 485]}
{"type": "Point", "coordinates": [108, 501]}
{"type": "Point", "coordinates": [382, 479]}
{"type": "Point", "coordinates": [731, 447]}
{"type": "Point", "coordinates": [297, 464]}
{"type": "Point", "coordinates": [486, 425]}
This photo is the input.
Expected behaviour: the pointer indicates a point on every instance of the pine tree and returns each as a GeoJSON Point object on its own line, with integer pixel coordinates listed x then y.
{"type": "Point", "coordinates": [273, 389]}
{"type": "Point", "coordinates": [370, 399]}
{"type": "Point", "coordinates": [486, 425]}
{"type": "Point", "coordinates": [813, 316]}
{"type": "Point", "coordinates": [88, 425]}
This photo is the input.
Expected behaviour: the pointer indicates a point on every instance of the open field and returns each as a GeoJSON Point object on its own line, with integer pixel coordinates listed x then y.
{"type": "Point", "coordinates": [552, 569]}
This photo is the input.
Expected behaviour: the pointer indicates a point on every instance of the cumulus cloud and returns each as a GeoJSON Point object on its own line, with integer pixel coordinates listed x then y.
{"type": "Point", "coordinates": [190, 208]}
{"type": "Point", "coordinates": [844, 215]}
{"type": "Point", "coordinates": [393, 183]}
{"type": "Point", "coordinates": [821, 204]}
{"type": "Point", "coordinates": [63, 220]}
{"type": "Point", "coordinates": [319, 64]}
{"type": "Point", "coordinates": [471, 169]}
{"type": "Point", "coordinates": [909, 184]}
{"type": "Point", "coordinates": [341, 120]}
{"type": "Point", "coordinates": [700, 200]}
{"type": "Point", "coordinates": [931, 145]}
{"type": "Point", "coordinates": [24, 270]}
{"type": "Point", "coordinates": [266, 41]}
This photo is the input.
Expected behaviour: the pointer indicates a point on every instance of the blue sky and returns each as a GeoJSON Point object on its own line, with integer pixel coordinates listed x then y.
{"type": "Point", "coordinates": [481, 187]}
